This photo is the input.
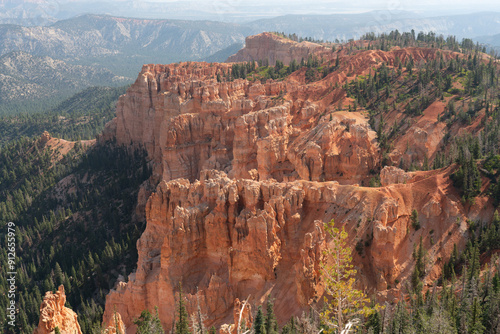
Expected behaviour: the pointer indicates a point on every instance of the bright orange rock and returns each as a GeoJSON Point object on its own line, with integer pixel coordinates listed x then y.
{"type": "Point", "coordinates": [227, 239]}
{"type": "Point", "coordinates": [246, 175]}
{"type": "Point", "coordinates": [54, 314]}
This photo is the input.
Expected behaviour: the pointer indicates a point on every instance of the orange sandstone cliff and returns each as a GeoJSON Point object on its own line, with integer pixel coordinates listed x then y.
{"type": "Point", "coordinates": [270, 47]}
{"type": "Point", "coordinates": [246, 174]}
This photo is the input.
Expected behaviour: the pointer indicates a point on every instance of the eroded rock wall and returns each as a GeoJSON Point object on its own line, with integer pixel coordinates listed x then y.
{"type": "Point", "coordinates": [228, 238]}
{"type": "Point", "coordinates": [188, 122]}
{"type": "Point", "coordinates": [247, 173]}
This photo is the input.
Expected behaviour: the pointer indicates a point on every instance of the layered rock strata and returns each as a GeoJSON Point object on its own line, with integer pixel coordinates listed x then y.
{"type": "Point", "coordinates": [224, 239]}
{"type": "Point", "coordinates": [270, 47]}
{"type": "Point", "coordinates": [248, 172]}
{"type": "Point", "coordinates": [187, 121]}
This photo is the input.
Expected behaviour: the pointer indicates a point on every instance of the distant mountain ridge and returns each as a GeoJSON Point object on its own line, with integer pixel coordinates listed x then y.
{"type": "Point", "coordinates": [493, 41]}
{"type": "Point", "coordinates": [342, 26]}
{"type": "Point", "coordinates": [117, 43]}
{"type": "Point", "coordinates": [46, 12]}
{"type": "Point", "coordinates": [40, 66]}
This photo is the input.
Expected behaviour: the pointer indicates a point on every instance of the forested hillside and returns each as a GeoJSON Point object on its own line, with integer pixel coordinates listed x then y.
{"type": "Point", "coordinates": [74, 222]}
{"type": "Point", "coordinates": [80, 117]}
{"type": "Point", "coordinates": [55, 197]}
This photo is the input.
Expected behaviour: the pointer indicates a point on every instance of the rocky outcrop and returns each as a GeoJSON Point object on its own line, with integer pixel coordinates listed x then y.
{"type": "Point", "coordinates": [59, 148]}
{"type": "Point", "coordinates": [44, 138]}
{"type": "Point", "coordinates": [393, 175]}
{"type": "Point", "coordinates": [229, 238]}
{"type": "Point", "coordinates": [187, 121]}
{"type": "Point", "coordinates": [53, 314]}
{"type": "Point", "coordinates": [231, 231]}
{"type": "Point", "coordinates": [248, 172]}
{"type": "Point", "coordinates": [271, 47]}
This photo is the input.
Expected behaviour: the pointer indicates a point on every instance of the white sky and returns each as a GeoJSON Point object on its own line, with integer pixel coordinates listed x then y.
{"type": "Point", "coordinates": [246, 9]}
{"type": "Point", "coordinates": [340, 5]}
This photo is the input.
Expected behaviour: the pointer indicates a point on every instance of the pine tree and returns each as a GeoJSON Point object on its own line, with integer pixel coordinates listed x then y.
{"type": "Point", "coordinates": [148, 323]}
{"type": "Point", "coordinates": [182, 325]}
{"type": "Point", "coordinates": [259, 325]}
{"type": "Point", "coordinates": [419, 273]}
{"type": "Point", "coordinates": [475, 325]}
{"type": "Point", "coordinates": [58, 274]}
{"type": "Point", "coordinates": [290, 327]}
{"type": "Point", "coordinates": [374, 322]}
{"type": "Point", "coordinates": [271, 323]}
{"type": "Point", "coordinates": [414, 220]}
{"type": "Point", "coordinates": [474, 265]}
{"type": "Point", "coordinates": [401, 322]}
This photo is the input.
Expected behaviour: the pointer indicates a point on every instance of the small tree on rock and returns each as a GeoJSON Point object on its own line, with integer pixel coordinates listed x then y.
{"type": "Point", "coordinates": [346, 304]}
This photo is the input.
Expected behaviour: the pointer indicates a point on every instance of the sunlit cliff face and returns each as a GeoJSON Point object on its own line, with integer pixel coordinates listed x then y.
{"type": "Point", "coordinates": [247, 172]}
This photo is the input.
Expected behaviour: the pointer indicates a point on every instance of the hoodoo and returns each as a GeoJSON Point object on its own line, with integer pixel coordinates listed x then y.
{"type": "Point", "coordinates": [55, 316]}
{"type": "Point", "coordinates": [247, 171]}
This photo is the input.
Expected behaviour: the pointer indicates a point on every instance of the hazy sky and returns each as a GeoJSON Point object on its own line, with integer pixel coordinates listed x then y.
{"type": "Point", "coordinates": [241, 10]}
{"type": "Point", "coordinates": [330, 5]}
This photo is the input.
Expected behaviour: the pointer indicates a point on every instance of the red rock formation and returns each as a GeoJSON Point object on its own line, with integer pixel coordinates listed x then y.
{"type": "Point", "coordinates": [227, 239]}
{"type": "Point", "coordinates": [247, 174]}
{"type": "Point", "coordinates": [393, 175]}
{"type": "Point", "coordinates": [238, 251]}
{"type": "Point", "coordinates": [270, 47]}
{"type": "Point", "coordinates": [54, 314]}
{"type": "Point", "coordinates": [192, 123]}
{"type": "Point", "coordinates": [58, 148]}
